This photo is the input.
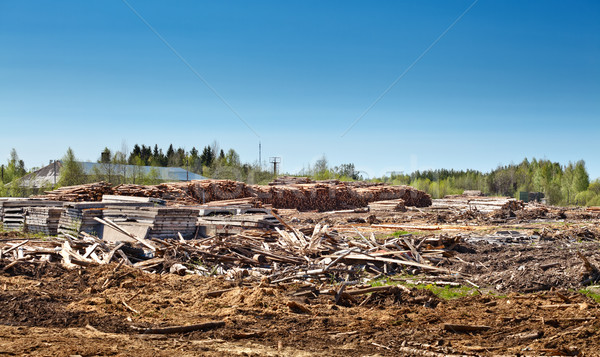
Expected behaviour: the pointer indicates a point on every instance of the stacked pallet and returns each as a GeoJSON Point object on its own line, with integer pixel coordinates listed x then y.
{"type": "Point", "coordinates": [396, 205]}
{"type": "Point", "coordinates": [43, 220]}
{"type": "Point", "coordinates": [80, 193]}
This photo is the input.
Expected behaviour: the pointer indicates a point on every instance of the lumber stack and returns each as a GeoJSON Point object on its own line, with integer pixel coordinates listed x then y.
{"type": "Point", "coordinates": [43, 220]}
{"type": "Point", "coordinates": [163, 222]}
{"type": "Point", "coordinates": [396, 205]}
{"type": "Point", "coordinates": [15, 211]}
{"type": "Point", "coordinates": [170, 222]}
{"type": "Point", "coordinates": [235, 224]}
{"type": "Point", "coordinates": [13, 218]}
{"type": "Point", "coordinates": [79, 217]}
{"type": "Point", "coordinates": [79, 193]}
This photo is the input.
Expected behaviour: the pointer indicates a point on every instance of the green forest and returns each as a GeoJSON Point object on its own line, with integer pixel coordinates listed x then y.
{"type": "Point", "coordinates": [567, 184]}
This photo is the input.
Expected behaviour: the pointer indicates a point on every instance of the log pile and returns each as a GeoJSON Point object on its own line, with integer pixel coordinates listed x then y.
{"type": "Point", "coordinates": [323, 197]}
{"type": "Point", "coordinates": [329, 196]}
{"type": "Point", "coordinates": [79, 193]}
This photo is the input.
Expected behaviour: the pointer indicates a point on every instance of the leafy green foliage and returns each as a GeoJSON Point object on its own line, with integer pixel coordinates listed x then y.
{"type": "Point", "coordinates": [71, 172]}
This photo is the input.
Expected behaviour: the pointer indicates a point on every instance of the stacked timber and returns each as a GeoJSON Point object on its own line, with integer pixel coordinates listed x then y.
{"type": "Point", "coordinates": [162, 223]}
{"type": "Point", "coordinates": [43, 220]}
{"type": "Point", "coordinates": [324, 197]}
{"type": "Point", "coordinates": [396, 205]}
{"type": "Point", "coordinates": [172, 221]}
{"type": "Point", "coordinates": [14, 218]}
{"type": "Point", "coordinates": [79, 217]}
{"type": "Point", "coordinates": [190, 192]}
{"type": "Point", "coordinates": [132, 199]}
{"type": "Point", "coordinates": [235, 224]}
{"type": "Point", "coordinates": [80, 193]}
{"type": "Point", "coordinates": [15, 211]}
{"type": "Point", "coordinates": [462, 203]}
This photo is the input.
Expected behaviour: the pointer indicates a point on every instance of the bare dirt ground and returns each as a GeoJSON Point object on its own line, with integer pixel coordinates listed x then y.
{"type": "Point", "coordinates": [528, 303]}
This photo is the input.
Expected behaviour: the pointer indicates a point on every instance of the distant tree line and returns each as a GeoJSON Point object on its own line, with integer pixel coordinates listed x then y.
{"type": "Point", "coordinates": [561, 184]}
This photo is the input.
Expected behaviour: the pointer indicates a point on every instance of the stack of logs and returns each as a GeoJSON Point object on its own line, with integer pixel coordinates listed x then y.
{"type": "Point", "coordinates": [80, 193]}
{"type": "Point", "coordinates": [322, 197]}
{"type": "Point", "coordinates": [304, 197]}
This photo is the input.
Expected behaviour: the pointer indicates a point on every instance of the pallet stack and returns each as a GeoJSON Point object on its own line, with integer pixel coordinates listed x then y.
{"type": "Point", "coordinates": [43, 220]}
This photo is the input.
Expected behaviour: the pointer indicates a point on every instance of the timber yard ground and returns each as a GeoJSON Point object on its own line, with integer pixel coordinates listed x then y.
{"type": "Point", "coordinates": [464, 275]}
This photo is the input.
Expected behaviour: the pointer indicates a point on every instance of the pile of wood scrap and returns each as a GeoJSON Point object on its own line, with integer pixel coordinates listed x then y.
{"type": "Point", "coordinates": [79, 193]}
{"type": "Point", "coordinates": [291, 255]}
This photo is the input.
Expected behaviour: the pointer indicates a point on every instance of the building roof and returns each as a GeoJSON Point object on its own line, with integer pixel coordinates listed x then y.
{"type": "Point", "coordinates": [45, 176]}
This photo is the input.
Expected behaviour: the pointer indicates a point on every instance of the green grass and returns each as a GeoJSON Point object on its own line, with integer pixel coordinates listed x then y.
{"type": "Point", "coordinates": [443, 292]}
{"type": "Point", "coordinates": [592, 294]}
{"type": "Point", "coordinates": [401, 233]}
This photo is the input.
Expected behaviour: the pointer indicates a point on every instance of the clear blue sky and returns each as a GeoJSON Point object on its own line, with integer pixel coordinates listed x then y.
{"type": "Point", "coordinates": [511, 79]}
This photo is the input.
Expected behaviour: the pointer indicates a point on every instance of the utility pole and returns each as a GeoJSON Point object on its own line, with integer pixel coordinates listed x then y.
{"type": "Point", "coordinates": [259, 155]}
{"type": "Point", "coordinates": [2, 174]}
{"type": "Point", "coordinates": [275, 161]}
{"type": "Point", "coordinates": [54, 186]}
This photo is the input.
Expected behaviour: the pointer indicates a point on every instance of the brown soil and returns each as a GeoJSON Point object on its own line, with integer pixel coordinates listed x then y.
{"type": "Point", "coordinates": [54, 311]}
